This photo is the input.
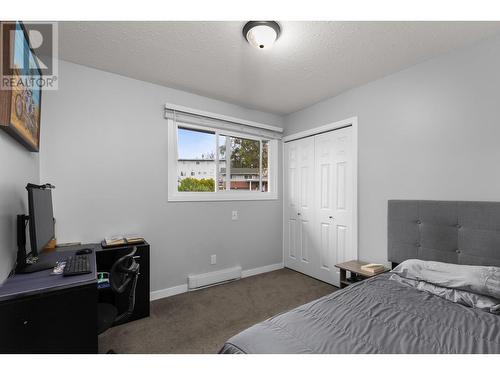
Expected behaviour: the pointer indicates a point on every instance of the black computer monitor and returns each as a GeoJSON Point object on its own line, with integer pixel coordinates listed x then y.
{"type": "Point", "coordinates": [40, 221]}
{"type": "Point", "coordinates": [41, 218]}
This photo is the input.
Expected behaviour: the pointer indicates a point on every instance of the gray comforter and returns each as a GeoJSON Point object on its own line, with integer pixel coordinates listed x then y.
{"type": "Point", "coordinates": [378, 315]}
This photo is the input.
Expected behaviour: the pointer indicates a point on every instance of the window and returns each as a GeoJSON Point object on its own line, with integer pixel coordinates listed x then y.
{"type": "Point", "coordinates": [224, 164]}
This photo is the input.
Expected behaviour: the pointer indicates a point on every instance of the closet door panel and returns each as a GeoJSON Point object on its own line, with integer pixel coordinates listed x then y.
{"type": "Point", "coordinates": [344, 194]}
{"type": "Point", "coordinates": [299, 206]}
{"type": "Point", "coordinates": [291, 204]}
{"type": "Point", "coordinates": [324, 197]}
{"type": "Point", "coordinates": [306, 203]}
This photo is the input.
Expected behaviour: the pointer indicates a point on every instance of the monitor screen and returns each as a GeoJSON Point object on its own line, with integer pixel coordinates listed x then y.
{"type": "Point", "coordinates": [41, 218]}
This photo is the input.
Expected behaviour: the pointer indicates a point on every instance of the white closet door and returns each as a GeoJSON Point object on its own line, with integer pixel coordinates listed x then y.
{"type": "Point", "coordinates": [334, 202]}
{"type": "Point", "coordinates": [291, 194]}
{"type": "Point", "coordinates": [324, 202]}
{"type": "Point", "coordinates": [319, 186]}
{"type": "Point", "coordinates": [299, 210]}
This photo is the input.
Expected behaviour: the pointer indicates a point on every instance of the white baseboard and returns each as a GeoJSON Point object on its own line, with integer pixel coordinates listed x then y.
{"type": "Point", "coordinates": [264, 269]}
{"type": "Point", "coordinates": [207, 279]}
{"type": "Point", "coordinates": [164, 293]}
{"type": "Point", "coordinates": [178, 289]}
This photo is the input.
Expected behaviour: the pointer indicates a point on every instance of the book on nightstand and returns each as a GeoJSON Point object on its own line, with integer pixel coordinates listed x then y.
{"type": "Point", "coordinates": [373, 268]}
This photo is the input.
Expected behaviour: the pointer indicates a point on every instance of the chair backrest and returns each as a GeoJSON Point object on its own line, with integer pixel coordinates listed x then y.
{"type": "Point", "coordinates": [122, 277]}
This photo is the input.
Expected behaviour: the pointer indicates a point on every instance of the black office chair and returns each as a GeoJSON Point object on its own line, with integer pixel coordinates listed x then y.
{"type": "Point", "coordinates": [122, 277]}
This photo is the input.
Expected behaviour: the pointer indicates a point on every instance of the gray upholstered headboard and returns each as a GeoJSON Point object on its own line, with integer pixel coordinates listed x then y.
{"type": "Point", "coordinates": [444, 231]}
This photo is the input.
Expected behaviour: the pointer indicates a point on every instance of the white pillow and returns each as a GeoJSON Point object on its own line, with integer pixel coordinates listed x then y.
{"type": "Point", "coordinates": [483, 280]}
{"type": "Point", "coordinates": [462, 297]}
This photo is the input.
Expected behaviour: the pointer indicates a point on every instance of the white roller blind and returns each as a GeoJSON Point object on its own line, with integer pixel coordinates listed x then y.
{"type": "Point", "coordinates": [184, 116]}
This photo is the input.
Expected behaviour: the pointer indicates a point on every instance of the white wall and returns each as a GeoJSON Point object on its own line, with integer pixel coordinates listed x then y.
{"type": "Point", "coordinates": [18, 166]}
{"type": "Point", "coordinates": [429, 132]}
{"type": "Point", "coordinates": [104, 147]}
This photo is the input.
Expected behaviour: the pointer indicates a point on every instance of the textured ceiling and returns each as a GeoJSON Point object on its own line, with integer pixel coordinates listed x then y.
{"type": "Point", "coordinates": [311, 60]}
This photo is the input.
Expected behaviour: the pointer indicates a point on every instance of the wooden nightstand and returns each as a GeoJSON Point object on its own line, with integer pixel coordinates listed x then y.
{"type": "Point", "coordinates": [354, 268]}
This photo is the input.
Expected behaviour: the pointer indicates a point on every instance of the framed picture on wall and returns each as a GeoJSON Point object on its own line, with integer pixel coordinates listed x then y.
{"type": "Point", "coordinates": [20, 103]}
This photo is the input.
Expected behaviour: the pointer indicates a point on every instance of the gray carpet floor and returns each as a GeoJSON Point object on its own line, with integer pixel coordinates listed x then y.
{"type": "Point", "coordinates": [201, 321]}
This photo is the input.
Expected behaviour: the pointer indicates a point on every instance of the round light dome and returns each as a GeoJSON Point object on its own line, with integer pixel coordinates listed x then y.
{"type": "Point", "coordinates": [261, 34]}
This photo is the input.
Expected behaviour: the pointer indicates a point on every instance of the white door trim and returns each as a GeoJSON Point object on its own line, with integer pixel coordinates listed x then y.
{"type": "Point", "coordinates": [352, 121]}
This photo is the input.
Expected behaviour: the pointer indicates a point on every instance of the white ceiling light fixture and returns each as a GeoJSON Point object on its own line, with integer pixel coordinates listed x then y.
{"type": "Point", "coordinates": [261, 34]}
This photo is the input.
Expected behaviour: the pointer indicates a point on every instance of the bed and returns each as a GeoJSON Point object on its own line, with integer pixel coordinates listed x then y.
{"type": "Point", "coordinates": [381, 315]}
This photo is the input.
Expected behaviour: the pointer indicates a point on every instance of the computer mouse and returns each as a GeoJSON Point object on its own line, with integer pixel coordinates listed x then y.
{"type": "Point", "coordinates": [83, 251]}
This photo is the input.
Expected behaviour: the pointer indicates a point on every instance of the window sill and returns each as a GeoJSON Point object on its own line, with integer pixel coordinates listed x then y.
{"type": "Point", "coordinates": [214, 197]}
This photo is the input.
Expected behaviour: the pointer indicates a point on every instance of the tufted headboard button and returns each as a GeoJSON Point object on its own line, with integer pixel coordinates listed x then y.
{"type": "Point", "coordinates": [457, 251]}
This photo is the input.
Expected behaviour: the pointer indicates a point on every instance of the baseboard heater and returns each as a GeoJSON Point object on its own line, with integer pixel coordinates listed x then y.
{"type": "Point", "coordinates": [212, 278]}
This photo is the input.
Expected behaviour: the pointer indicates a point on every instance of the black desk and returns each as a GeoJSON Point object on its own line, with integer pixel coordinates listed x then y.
{"type": "Point", "coordinates": [44, 313]}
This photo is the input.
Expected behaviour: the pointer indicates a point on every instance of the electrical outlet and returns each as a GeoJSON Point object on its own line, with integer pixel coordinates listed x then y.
{"type": "Point", "coordinates": [213, 259]}
{"type": "Point", "coordinates": [234, 215]}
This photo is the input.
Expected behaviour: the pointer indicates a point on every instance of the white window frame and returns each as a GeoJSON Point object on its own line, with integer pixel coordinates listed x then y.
{"type": "Point", "coordinates": [219, 195]}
